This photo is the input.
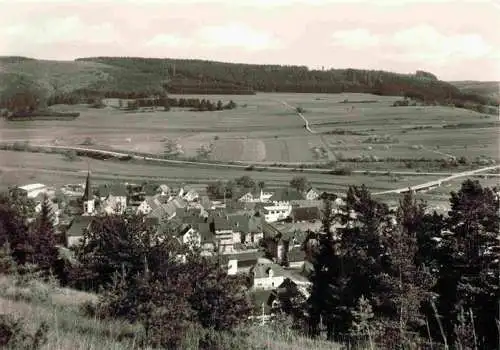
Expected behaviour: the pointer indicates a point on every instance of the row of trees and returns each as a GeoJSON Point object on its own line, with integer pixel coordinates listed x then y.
{"type": "Point", "coordinates": [196, 104]}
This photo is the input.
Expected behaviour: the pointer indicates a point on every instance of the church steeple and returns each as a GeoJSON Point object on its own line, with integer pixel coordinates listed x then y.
{"type": "Point", "coordinates": [87, 194]}
{"type": "Point", "coordinates": [88, 197]}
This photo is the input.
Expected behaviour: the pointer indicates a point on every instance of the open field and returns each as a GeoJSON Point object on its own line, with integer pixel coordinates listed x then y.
{"type": "Point", "coordinates": [19, 167]}
{"type": "Point", "coordinates": [262, 129]}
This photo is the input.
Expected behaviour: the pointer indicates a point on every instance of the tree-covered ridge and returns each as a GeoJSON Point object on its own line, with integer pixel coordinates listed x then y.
{"type": "Point", "coordinates": [202, 74]}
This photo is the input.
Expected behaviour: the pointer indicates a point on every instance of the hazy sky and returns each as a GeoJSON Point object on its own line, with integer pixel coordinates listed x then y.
{"type": "Point", "coordinates": [456, 40]}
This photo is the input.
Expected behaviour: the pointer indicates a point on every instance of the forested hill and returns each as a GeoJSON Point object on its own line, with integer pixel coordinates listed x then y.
{"type": "Point", "coordinates": [198, 76]}
{"type": "Point", "coordinates": [27, 79]}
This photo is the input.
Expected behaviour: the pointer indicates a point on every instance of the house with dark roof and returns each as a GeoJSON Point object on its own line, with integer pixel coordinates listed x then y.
{"type": "Point", "coordinates": [75, 231]}
{"type": "Point", "coordinates": [287, 195]}
{"type": "Point", "coordinates": [310, 214]}
{"type": "Point", "coordinates": [242, 262]}
{"type": "Point", "coordinates": [312, 194]}
{"type": "Point", "coordinates": [149, 204]}
{"type": "Point", "coordinates": [267, 275]}
{"type": "Point", "coordinates": [113, 198]}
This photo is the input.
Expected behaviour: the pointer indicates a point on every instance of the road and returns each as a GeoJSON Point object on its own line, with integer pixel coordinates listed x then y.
{"type": "Point", "coordinates": [440, 181]}
{"type": "Point", "coordinates": [306, 122]}
{"type": "Point", "coordinates": [446, 176]}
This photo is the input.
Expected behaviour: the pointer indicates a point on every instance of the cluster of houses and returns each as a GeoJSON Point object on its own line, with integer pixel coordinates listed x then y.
{"type": "Point", "coordinates": [260, 234]}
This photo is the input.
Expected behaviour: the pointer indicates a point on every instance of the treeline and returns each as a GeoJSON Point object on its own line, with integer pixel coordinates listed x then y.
{"type": "Point", "coordinates": [276, 78]}
{"type": "Point", "coordinates": [195, 104]}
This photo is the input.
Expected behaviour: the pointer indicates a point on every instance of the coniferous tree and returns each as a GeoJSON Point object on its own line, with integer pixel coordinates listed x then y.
{"type": "Point", "coordinates": [468, 271]}
{"type": "Point", "coordinates": [45, 253]}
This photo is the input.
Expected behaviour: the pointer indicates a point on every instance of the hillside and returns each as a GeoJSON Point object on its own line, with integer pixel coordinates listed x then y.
{"type": "Point", "coordinates": [135, 77]}
{"type": "Point", "coordinates": [35, 302]}
{"type": "Point", "coordinates": [485, 88]}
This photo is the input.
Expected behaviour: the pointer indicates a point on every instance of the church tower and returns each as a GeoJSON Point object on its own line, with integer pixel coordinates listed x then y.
{"type": "Point", "coordinates": [88, 197]}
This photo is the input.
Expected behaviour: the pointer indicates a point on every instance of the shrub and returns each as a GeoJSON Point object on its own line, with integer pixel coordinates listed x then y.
{"type": "Point", "coordinates": [14, 336]}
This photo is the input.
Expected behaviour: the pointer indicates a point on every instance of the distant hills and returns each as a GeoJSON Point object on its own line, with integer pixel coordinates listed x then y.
{"type": "Point", "coordinates": [137, 77]}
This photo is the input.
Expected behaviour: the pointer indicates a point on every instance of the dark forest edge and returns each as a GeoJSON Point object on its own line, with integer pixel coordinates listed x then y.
{"type": "Point", "coordinates": [135, 78]}
{"type": "Point", "coordinates": [402, 278]}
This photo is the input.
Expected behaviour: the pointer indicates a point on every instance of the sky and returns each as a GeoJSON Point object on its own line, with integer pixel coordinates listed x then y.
{"type": "Point", "coordinates": [456, 40]}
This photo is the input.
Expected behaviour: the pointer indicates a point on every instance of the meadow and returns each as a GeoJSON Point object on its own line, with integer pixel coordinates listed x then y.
{"type": "Point", "coordinates": [263, 130]}
{"type": "Point", "coordinates": [355, 131]}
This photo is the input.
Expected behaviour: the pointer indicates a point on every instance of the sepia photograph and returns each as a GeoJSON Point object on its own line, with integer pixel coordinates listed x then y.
{"type": "Point", "coordinates": [250, 174]}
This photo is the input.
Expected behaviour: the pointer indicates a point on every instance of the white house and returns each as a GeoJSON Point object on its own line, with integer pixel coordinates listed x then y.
{"type": "Point", "coordinates": [260, 197]}
{"type": "Point", "coordinates": [114, 205]}
{"type": "Point", "coordinates": [267, 276]}
{"type": "Point", "coordinates": [277, 211]}
{"type": "Point", "coordinates": [164, 190]}
{"type": "Point", "coordinates": [190, 236]}
{"type": "Point", "coordinates": [190, 195]}
{"type": "Point", "coordinates": [33, 190]}
{"type": "Point", "coordinates": [148, 205]}
{"type": "Point", "coordinates": [312, 194]}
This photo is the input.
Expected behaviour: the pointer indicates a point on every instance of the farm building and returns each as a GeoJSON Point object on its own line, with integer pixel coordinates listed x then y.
{"type": "Point", "coordinates": [33, 190]}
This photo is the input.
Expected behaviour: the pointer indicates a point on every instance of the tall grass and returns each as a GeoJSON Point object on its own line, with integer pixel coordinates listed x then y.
{"type": "Point", "coordinates": [69, 328]}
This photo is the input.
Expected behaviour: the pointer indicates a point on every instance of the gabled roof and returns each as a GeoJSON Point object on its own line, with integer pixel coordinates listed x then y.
{"type": "Point", "coordinates": [164, 210]}
{"type": "Point", "coordinates": [246, 223]}
{"type": "Point", "coordinates": [245, 259]}
{"type": "Point", "coordinates": [205, 233]}
{"type": "Point", "coordinates": [78, 225]}
{"type": "Point", "coordinates": [153, 202]}
{"type": "Point", "coordinates": [286, 194]}
{"type": "Point", "coordinates": [117, 190]}
{"type": "Point", "coordinates": [261, 270]}
{"type": "Point", "coordinates": [296, 254]}
{"type": "Point", "coordinates": [306, 213]}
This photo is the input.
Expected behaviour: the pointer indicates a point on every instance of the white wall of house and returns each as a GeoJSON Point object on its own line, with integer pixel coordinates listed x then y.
{"type": "Point", "coordinates": [269, 282]}
{"type": "Point", "coordinates": [277, 211]}
{"type": "Point", "coordinates": [232, 267]}
{"type": "Point", "coordinates": [144, 208]}
{"type": "Point", "coordinates": [312, 195]}
{"type": "Point", "coordinates": [74, 240]}
{"type": "Point", "coordinates": [190, 196]}
{"type": "Point", "coordinates": [88, 207]}
{"type": "Point", "coordinates": [192, 237]}
{"type": "Point", "coordinates": [296, 264]}
{"type": "Point", "coordinates": [115, 205]}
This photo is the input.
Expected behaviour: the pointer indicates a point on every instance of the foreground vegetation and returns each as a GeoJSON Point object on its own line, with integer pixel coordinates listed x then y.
{"type": "Point", "coordinates": [406, 279]}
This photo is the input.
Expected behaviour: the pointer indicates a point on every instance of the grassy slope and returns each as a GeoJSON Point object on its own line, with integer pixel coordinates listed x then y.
{"type": "Point", "coordinates": [70, 329]}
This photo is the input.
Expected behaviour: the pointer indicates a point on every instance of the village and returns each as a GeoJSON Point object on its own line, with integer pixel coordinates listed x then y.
{"type": "Point", "coordinates": [261, 234]}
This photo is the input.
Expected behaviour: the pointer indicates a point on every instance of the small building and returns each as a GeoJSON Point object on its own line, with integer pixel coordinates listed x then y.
{"type": "Point", "coordinates": [78, 225]}
{"type": "Point", "coordinates": [312, 194]}
{"type": "Point", "coordinates": [148, 205]}
{"type": "Point", "coordinates": [33, 190]}
{"type": "Point", "coordinates": [242, 262]}
{"type": "Point", "coordinates": [256, 197]}
{"type": "Point", "coordinates": [300, 214]}
{"type": "Point", "coordinates": [267, 275]}
{"type": "Point", "coordinates": [277, 211]}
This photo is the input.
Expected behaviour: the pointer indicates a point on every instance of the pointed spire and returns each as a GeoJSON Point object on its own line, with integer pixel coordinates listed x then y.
{"type": "Point", "coordinates": [87, 194]}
